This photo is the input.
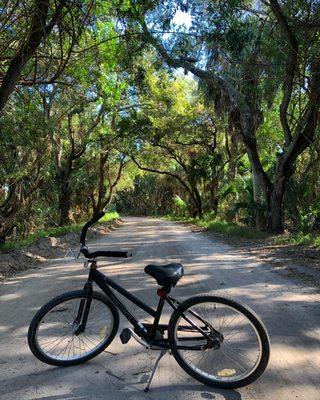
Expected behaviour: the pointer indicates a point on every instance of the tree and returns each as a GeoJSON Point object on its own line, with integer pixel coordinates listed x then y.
{"type": "Point", "coordinates": [45, 140]}
{"type": "Point", "coordinates": [214, 26]}
{"type": "Point", "coordinates": [22, 160]}
{"type": "Point", "coordinates": [301, 63]}
{"type": "Point", "coordinates": [175, 136]}
{"type": "Point", "coordinates": [67, 153]}
{"type": "Point", "coordinates": [37, 39]}
{"type": "Point", "coordinates": [107, 169]}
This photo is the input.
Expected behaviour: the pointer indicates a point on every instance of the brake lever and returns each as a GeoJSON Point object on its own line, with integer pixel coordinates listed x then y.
{"type": "Point", "coordinates": [82, 247]}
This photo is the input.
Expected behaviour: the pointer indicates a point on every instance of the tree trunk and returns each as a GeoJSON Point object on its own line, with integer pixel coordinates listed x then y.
{"type": "Point", "coordinates": [284, 169]}
{"type": "Point", "coordinates": [260, 182]}
{"type": "Point", "coordinates": [98, 205]}
{"type": "Point", "coordinates": [197, 202]}
{"type": "Point", "coordinates": [260, 197]}
{"type": "Point", "coordinates": [211, 198]}
{"type": "Point", "coordinates": [64, 207]}
{"type": "Point", "coordinates": [275, 218]}
{"type": "Point", "coordinates": [232, 150]}
{"type": "Point", "coordinates": [64, 201]}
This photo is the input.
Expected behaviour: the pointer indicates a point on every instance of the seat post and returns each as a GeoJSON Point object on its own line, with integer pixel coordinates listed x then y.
{"type": "Point", "coordinates": [161, 292]}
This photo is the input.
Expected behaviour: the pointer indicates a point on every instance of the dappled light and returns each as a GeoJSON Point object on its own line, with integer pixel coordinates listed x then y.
{"type": "Point", "coordinates": [181, 133]}
{"type": "Point", "coordinates": [288, 309]}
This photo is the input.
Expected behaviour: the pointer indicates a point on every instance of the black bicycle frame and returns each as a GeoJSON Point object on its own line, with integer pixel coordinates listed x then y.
{"type": "Point", "coordinates": [146, 331]}
{"type": "Point", "coordinates": [105, 283]}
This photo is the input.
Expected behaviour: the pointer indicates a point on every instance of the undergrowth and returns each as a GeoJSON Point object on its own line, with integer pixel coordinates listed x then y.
{"type": "Point", "coordinates": [53, 232]}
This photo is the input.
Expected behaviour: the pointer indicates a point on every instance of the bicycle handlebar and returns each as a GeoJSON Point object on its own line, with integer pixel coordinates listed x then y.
{"type": "Point", "coordinates": [104, 253]}
{"type": "Point", "coordinates": [87, 225]}
{"type": "Point", "coordinates": [100, 253]}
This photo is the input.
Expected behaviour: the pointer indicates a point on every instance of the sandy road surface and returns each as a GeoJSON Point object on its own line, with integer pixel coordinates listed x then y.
{"type": "Point", "coordinates": [290, 311]}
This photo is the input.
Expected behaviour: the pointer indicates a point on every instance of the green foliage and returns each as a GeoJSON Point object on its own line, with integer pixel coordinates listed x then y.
{"type": "Point", "coordinates": [109, 216]}
{"type": "Point", "coordinates": [54, 232]}
{"type": "Point", "coordinates": [111, 124]}
{"type": "Point", "coordinates": [149, 195]}
{"type": "Point", "coordinates": [300, 238]}
{"type": "Point", "coordinates": [216, 225]}
{"type": "Point", "coordinates": [181, 208]}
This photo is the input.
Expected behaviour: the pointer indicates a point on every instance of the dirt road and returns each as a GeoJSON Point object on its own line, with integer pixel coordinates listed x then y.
{"type": "Point", "coordinates": [290, 311]}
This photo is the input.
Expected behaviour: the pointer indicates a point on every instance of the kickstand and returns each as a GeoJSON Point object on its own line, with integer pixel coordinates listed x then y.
{"type": "Point", "coordinates": [162, 353]}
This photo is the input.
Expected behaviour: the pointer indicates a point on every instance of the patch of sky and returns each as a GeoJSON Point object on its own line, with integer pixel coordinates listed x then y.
{"type": "Point", "coordinates": [6, 188]}
{"type": "Point", "coordinates": [138, 144]}
{"type": "Point", "coordinates": [182, 18]}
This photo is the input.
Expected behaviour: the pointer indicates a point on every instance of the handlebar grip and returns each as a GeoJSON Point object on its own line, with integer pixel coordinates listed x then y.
{"type": "Point", "coordinates": [122, 254]}
{"type": "Point", "coordinates": [105, 253]}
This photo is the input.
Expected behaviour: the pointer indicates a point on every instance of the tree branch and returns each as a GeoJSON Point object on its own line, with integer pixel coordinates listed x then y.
{"type": "Point", "coordinates": [156, 171]}
{"type": "Point", "coordinates": [291, 67]}
{"type": "Point", "coordinates": [211, 77]}
{"type": "Point", "coordinates": [114, 184]}
{"type": "Point", "coordinates": [38, 31]}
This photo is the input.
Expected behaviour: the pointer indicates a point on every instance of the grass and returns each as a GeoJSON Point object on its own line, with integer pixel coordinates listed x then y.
{"type": "Point", "coordinates": [110, 216]}
{"type": "Point", "coordinates": [53, 232]}
{"type": "Point", "coordinates": [242, 231]}
{"type": "Point", "coordinates": [207, 222]}
{"type": "Point", "coordinates": [224, 227]}
{"type": "Point", "coordinates": [298, 238]}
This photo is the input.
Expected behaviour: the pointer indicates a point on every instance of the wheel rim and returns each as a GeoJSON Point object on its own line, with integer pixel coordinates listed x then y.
{"type": "Point", "coordinates": [240, 352]}
{"type": "Point", "coordinates": [55, 335]}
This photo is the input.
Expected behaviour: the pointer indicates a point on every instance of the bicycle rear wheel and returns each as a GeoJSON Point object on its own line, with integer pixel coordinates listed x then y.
{"type": "Point", "coordinates": [52, 335]}
{"type": "Point", "coordinates": [242, 352]}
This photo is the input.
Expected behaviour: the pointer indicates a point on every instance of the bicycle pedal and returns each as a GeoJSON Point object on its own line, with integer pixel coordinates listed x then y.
{"type": "Point", "coordinates": [125, 336]}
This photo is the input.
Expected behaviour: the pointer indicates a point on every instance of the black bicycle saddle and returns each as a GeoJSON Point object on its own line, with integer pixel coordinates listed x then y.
{"type": "Point", "coordinates": [165, 275]}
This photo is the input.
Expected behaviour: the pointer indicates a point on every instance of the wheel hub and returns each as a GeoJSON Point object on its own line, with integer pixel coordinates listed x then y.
{"type": "Point", "coordinates": [215, 340]}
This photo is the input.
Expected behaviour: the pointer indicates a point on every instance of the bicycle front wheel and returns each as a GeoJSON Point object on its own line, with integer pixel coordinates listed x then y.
{"type": "Point", "coordinates": [53, 336]}
{"type": "Point", "coordinates": [239, 353]}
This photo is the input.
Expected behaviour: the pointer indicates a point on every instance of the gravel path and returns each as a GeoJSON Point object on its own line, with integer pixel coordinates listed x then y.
{"type": "Point", "coordinates": [290, 310]}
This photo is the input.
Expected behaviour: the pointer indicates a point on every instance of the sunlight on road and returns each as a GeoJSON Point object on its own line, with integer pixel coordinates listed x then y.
{"type": "Point", "coordinates": [289, 310]}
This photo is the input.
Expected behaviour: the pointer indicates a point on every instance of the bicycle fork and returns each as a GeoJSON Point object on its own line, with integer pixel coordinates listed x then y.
{"type": "Point", "coordinates": [84, 306]}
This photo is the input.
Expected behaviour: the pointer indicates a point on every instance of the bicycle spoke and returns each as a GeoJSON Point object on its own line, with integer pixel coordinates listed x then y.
{"type": "Point", "coordinates": [56, 336]}
{"type": "Point", "coordinates": [238, 352]}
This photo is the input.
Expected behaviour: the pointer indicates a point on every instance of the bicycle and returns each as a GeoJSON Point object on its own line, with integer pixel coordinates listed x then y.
{"type": "Point", "coordinates": [216, 340]}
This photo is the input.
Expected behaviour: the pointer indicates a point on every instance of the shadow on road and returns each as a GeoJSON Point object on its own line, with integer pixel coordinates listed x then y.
{"type": "Point", "coordinates": [292, 317]}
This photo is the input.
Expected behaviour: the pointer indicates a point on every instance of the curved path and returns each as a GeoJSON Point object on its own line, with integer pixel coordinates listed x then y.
{"type": "Point", "coordinates": [290, 311]}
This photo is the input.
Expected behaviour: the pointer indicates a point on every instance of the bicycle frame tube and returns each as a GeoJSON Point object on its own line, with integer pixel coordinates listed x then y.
{"type": "Point", "coordinates": [104, 282]}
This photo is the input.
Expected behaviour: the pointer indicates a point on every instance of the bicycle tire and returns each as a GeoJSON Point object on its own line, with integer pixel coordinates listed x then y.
{"type": "Point", "coordinates": [44, 310]}
{"type": "Point", "coordinates": [244, 310]}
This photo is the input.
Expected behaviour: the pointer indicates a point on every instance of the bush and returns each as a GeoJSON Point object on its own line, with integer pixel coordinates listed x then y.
{"type": "Point", "coordinates": [213, 224]}
{"type": "Point", "coordinates": [54, 232]}
{"type": "Point", "coordinates": [180, 206]}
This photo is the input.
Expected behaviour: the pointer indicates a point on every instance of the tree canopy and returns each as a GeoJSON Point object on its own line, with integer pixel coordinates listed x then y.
{"type": "Point", "coordinates": [160, 107]}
